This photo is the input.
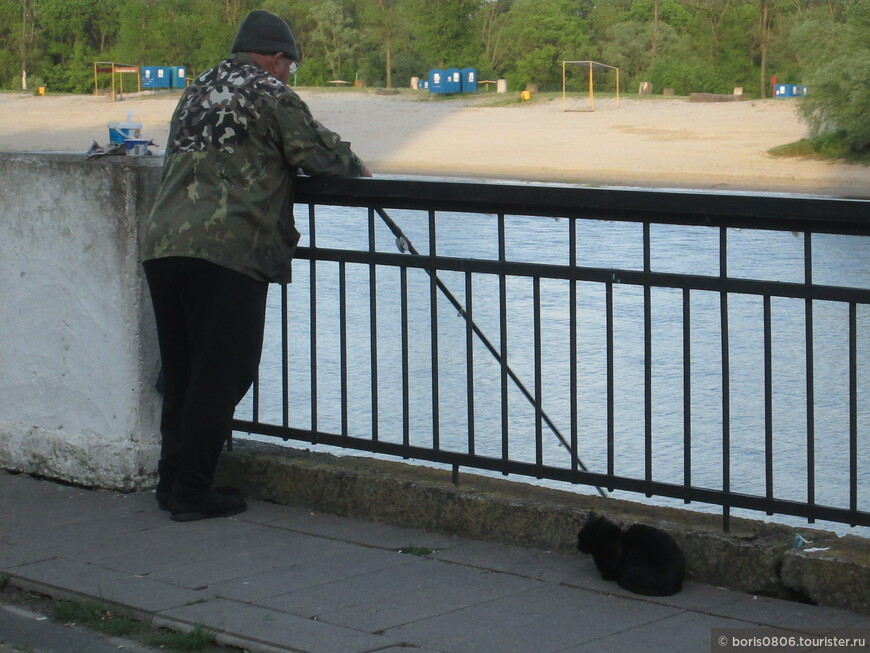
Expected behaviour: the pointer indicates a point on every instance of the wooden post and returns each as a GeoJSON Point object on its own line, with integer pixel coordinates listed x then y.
{"type": "Point", "coordinates": [591, 89]}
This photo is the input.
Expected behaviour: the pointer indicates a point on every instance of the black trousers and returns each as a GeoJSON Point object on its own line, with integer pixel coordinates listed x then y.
{"type": "Point", "coordinates": [210, 329]}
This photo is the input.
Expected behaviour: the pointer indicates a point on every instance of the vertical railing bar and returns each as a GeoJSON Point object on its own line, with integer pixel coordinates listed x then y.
{"type": "Point", "coordinates": [768, 400]}
{"type": "Point", "coordinates": [373, 327]}
{"type": "Point", "coordinates": [853, 408]}
{"type": "Point", "coordinates": [539, 420]}
{"type": "Point", "coordinates": [406, 362]}
{"type": "Point", "coordinates": [810, 350]}
{"type": "Point", "coordinates": [726, 381]}
{"type": "Point", "coordinates": [255, 397]}
{"type": "Point", "coordinates": [469, 359]}
{"type": "Point", "coordinates": [312, 317]}
{"type": "Point", "coordinates": [572, 341]}
{"type": "Point", "coordinates": [433, 308]}
{"type": "Point", "coordinates": [502, 294]}
{"type": "Point", "coordinates": [647, 355]}
{"type": "Point", "coordinates": [285, 362]}
{"type": "Point", "coordinates": [687, 390]}
{"type": "Point", "coordinates": [610, 383]}
{"type": "Point", "coordinates": [342, 320]}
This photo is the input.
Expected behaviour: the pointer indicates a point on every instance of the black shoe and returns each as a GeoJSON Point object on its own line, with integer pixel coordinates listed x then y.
{"type": "Point", "coordinates": [205, 506]}
{"type": "Point", "coordinates": [164, 495]}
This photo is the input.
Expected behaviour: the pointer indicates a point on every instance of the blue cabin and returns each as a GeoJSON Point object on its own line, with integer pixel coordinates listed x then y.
{"type": "Point", "coordinates": [155, 77]}
{"type": "Point", "coordinates": [452, 81]}
{"type": "Point", "coordinates": [436, 80]}
{"type": "Point", "coordinates": [469, 80]}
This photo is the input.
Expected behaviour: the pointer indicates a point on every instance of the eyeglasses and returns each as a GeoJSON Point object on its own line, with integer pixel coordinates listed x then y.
{"type": "Point", "coordinates": [294, 66]}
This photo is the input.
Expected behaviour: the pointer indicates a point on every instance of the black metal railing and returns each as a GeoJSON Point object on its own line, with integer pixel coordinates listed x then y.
{"type": "Point", "coordinates": [568, 288]}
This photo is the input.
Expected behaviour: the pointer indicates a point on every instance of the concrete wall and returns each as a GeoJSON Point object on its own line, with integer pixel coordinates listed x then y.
{"type": "Point", "coordinates": [78, 352]}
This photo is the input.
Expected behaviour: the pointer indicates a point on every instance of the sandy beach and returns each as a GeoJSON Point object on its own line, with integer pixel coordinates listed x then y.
{"type": "Point", "coordinates": [649, 142]}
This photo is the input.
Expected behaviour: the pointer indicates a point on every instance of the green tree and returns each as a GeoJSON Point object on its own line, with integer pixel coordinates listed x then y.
{"type": "Point", "coordinates": [495, 19]}
{"type": "Point", "coordinates": [630, 45]}
{"type": "Point", "coordinates": [73, 34]}
{"type": "Point", "coordinates": [447, 32]}
{"type": "Point", "coordinates": [542, 34]}
{"type": "Point", "coordinates": [388, 29]}
{"type": "Point", "coordinates": [837, 72]}
{"type": "Point", "coordinates": [335, 37]}
{"type": "Point", "coordinates": [13, 48]}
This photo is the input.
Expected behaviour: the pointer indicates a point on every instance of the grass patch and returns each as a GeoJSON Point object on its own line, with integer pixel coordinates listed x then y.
{"type": "Point", "coordinates": [419, 551]}
{"type": "Point", "coordinates": [97, 616]}
{"type": "Point", "coordinates": [198, 639]}
{"type": "Point", "coordinates": [827, 147]}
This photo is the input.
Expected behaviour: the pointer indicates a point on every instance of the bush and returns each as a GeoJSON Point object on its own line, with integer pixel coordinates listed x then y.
{"type": "Point", "coordinates": [685, 76]}
{"type": "Point", "coordinates": [838, 101]}
{"type": "Point", "coordinates": [837, 75]}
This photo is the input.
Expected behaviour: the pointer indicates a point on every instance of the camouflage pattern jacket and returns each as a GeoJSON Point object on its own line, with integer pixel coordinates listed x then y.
{"type": "Point", "coordinates": [237, 138]}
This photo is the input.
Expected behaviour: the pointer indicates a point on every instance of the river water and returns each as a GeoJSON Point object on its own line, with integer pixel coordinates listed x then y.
{"type": "Point", "coordinates": [774, 256]}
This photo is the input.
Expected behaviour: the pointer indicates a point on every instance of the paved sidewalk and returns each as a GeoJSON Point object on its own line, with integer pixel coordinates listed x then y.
{"type": "Point", "coordinates": [277, 578]}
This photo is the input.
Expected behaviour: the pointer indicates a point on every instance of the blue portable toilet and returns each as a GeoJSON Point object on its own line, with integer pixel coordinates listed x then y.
{"type": "Point", "coordinates": [436, 81]}
{"type": "Point", "coordinates": [149, 76]}
{"type": "Point", "coordinates": [452, 81]}
{"type": "Point", "coordinates": [155, 77]}
{"type": "Point", "coordinates": [469, 80]}
{"type": "Point", "coordinates": [790, 90]}
{"type": "Point", "coordinates": [178, 77]}
{"type": "Point", "coordinates": [164, 77]}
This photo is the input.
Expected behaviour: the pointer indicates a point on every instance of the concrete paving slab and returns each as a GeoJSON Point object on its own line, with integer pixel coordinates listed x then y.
{"type": "Point", "coordinates": [786, 614]}
{"type": "Point", "coordinates": [23, 486]}
{"type": "Point", "coordinates": [226, 563]}
{"type": "Point", "coordinates": [66, 506]}
{"type": "Point", "coordinates": [119, 544]}
{"type": "Point", "coordinates": [685, 632]}
{"type": "Point", "coordinates": [408, 649]}
{"type": "Point", "coordinates": [532, 563]}
{"type": "Point", "coordinates": [165, 549]}
{"type": "Point", "coordinates": [548, 618]}
{"type": "Point", "coordinates": [90, 531]}
{"type": "Point", "coordinates": [307, 574]}
{"type": "Point", "coordinates": [61, 578]}
{"type": "Point", "coordinates": [275, 628]}
{"type": "Point", "coordinates": [378, 586]}
{"type": "Point", "coordinates": [13, 556]}
{"type": "Point", "coordinates": [366, 533]}
{"type": "Point", "coordinates": [265, 512]}
{"type": "Point", "coordinates": [453, 591]}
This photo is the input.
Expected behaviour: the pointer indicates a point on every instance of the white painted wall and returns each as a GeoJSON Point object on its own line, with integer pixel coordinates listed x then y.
{"type": "Point", "coordinates": [78, 351]}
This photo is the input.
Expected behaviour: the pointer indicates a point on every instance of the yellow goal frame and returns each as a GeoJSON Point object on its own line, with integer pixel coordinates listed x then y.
{"type": "Point", "coordinates": [592, 67]}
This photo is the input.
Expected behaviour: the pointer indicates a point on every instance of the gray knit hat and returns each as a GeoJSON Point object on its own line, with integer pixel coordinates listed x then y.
{"type": "Point", "coordinates": [265, 33]}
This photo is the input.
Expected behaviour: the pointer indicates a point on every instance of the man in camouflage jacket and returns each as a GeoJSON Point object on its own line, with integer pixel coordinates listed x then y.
{"type": "Point", "coordinates": [221, 229]}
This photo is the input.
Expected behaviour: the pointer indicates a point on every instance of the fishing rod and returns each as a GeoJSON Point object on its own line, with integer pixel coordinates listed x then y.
{"type": "Point", "coordinates": [405, 245]}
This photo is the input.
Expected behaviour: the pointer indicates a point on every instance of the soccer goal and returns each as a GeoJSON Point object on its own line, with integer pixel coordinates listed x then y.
{"type": "Point", "coordinates": [582, 80]}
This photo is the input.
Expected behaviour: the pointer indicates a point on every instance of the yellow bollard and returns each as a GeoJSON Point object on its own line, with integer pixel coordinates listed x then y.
{"type": "Point", "coordinates": [41, 90]}
{"type": "Point", "coordinates": [525, 95]}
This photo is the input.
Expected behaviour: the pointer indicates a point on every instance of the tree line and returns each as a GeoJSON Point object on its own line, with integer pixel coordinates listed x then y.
{"type": "Point", "coordinates": [687, 45]}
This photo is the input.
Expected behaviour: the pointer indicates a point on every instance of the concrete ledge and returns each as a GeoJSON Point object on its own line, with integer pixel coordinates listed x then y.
{"type": "Point", "coordinates": [754, 557]}
{"type": "Point", "coordinates": [86, 458]}
{"type": "Point", "coordinates": [79, 349]}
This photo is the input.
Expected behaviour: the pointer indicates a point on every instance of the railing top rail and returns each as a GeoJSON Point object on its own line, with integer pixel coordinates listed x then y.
{"type": "Point", "coordinates": [707, 208]}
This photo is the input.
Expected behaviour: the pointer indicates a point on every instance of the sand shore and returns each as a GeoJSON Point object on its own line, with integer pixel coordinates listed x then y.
{"type": "Point", "coordinates": [659, 143]}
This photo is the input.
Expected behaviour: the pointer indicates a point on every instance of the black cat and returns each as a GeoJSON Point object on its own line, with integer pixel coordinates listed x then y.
{"type": "Point", "coordinates": [643, 559]}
